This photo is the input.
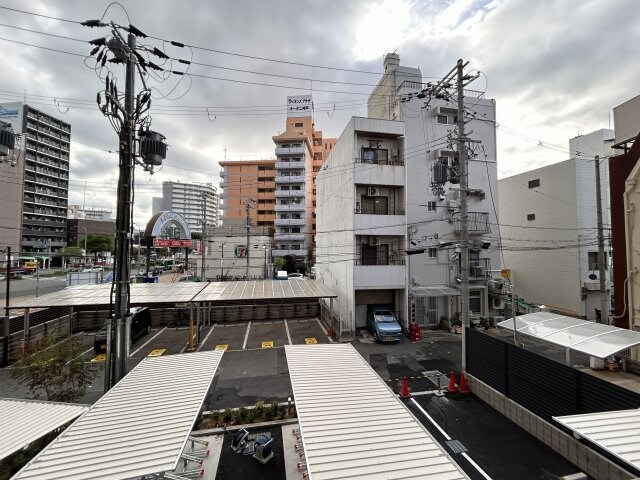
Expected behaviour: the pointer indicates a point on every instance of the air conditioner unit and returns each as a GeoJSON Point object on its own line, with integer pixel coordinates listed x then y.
{"type": "Point", "coordinates": [497, 303]}
{"type": "Point", "coordinates": [374, 241]}
{"type": "Point", "coordinates": [453, 204]}
{"type": "Point", "coordinates": [444, 111]}
{"type": "Point", "coordinates": [373, 191]}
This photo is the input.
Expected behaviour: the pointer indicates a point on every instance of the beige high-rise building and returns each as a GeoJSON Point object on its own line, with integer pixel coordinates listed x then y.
{"type": "Point", "coordinates": [282, 191]}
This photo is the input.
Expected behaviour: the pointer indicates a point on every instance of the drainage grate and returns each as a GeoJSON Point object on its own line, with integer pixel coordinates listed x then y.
{"type": "Point", "coordinates": [438, 379]}
{"type": "Point", "coordinates": [456, 446]}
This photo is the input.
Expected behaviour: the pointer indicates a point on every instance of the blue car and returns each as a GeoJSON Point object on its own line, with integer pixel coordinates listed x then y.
{"type": "Point", "coordinates": [382, 323]}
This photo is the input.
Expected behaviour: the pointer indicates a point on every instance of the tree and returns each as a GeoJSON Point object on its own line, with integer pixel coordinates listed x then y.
{"type": "Point", "coordinates": [99, 242]}
{"type": "Point", "coordinates": [54, 367]}
{"type": "Point", "coordinates": [196, 236]}
{"type": "Point", "coordinates": [278, 263]}
{"type": "Point", "coordinates": [69, 252]}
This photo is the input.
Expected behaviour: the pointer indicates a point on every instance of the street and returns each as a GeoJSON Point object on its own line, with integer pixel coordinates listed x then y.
{"type": "Point", "coordinates": [26, 286]}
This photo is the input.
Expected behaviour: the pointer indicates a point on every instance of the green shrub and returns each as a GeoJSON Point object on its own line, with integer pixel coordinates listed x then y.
{"type": "Point", "coordinates": [242, 413]}
{"type": "Point", "coordinates": [259, 409]}
{"type": "Point", "coordinates": [273, 410]}
{"type": "Point", "coordinates": [227, 415]}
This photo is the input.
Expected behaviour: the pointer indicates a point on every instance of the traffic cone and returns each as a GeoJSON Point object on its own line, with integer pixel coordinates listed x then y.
{"type": "Point", "coordinates": [404, 391]}
{"type": "Point", "coordinates": [463, 384]}
{"type": "Point", "coordinates": [452, 384]}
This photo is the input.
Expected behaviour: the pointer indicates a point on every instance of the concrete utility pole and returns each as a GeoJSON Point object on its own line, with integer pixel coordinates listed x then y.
{"type": "Point", "coordinates": [464, 220]}
{"type": "Point", "coordinates": [604, 308]}
{"type": "Point", "coordinates": [203, 241]}
{"type": "Point", "coordinates": [5, 325]}
{"type": "Point", "coordinates": [247, 205]}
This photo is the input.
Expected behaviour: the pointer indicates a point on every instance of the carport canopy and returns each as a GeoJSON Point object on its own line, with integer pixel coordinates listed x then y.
{"type": "Point", "coordinates": [139, 427]}
{"type": "Point", "coordinates": [146, 294]}
{"type": "Point", "coordinates": [594, 339]}
{"type": "Point", "coordinates": [25, 421]}
{"type": "Point", "coordinates": [353, 425]}
{"type": "Point", "coordinates": [435, 291]}
{"type": "Point", "coordinates": [616, 432]}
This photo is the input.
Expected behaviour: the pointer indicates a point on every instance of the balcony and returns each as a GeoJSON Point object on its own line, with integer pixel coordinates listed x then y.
{"type": "Point", "coordinates": [479, 268]}
{"type": "Point", "coordinates": [292, 207]}
{"type": "Point", "coordinates": [290, 236]}
{"type": "Point", "coordinates": [379, 276]}
{"type": "Point", "coordinates": [287, 222]}
{"type": "Point", "coordinates": [289, 193]}
{"type": "Point", "coordinates": [290, 165]}
{"type": "Point", "coordinates": [478, 223]}
{"type": "Point", "coordinates": [391, 223]}
{"type": "Point", "coordinates": [290, 151]}
{"type": "Point", "coordinates": [290, 179]}
{"type": "Point", "coordinates": [284, 252]}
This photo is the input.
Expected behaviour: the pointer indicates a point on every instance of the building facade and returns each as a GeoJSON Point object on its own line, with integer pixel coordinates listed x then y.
{"type": "Point", "coordinates": [228, 256]}
{"type": "Point", "coordinates": [37, 202]}
{"type": "Point", "coordinates": [549, 228]}
{"type": "Point", "coordinates": [88, 213]}
{"type": "Point", "coordinates": [189, 200]}
{"type": "Point", "coordinates": [300, 153]}
{"type": "Point", "coordinates": [250, 181]}
{"type": "Point", "coordinates": [78, 229]}
{"type": "Point", "coordinates": [361, 221]}
{"type": "Point", "coordinates": [432, 193]}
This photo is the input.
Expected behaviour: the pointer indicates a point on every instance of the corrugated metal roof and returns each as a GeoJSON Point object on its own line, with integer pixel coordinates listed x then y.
{"type": "Point", "coordinates": [616, 432]}
{"type": "Point", "coordinates": [138, 428]}
{"type": "Point", "coordinates": [182, 292]}
{"type": "Point", "coordinates": [594, 339]}
{"type": "Point", "coordinates": [353, 425]}
{"type": "Point", "coordinates": [24, 421]}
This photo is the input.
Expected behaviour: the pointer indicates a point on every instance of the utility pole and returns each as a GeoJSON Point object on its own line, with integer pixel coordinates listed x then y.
{"type": "Point", "coordinates": [5, 326]}
{"type": "Point", "coordinates": [464, 220]}
{"type": "Point", "coordinates": [604, 308]}
{"type": "Point", "coordinates": [203, 241]}
{"type": "Point", "coordinates": [222, 261]}
{"type": "Point", "coordinates": [247, 205]}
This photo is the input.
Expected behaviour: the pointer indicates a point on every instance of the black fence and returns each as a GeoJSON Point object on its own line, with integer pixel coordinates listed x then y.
{"type": "Point", "coordinates": [16, 324]}
{"type": "Point", "coordinates": [543, 386]}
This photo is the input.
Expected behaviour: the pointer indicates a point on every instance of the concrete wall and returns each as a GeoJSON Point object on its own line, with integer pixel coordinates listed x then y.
{"type": "Point", "coordinates": [590, 462]}
{"type": "Point", "coordinates": [11, 185]}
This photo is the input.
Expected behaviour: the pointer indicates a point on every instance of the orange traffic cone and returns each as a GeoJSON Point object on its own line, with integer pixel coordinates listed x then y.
{"type": "Point", "coordinates": [452, 384]}
{"type": "Point", "coordinates": [404, 391]}
{"type": "Point", "coordinates": [463, 384]}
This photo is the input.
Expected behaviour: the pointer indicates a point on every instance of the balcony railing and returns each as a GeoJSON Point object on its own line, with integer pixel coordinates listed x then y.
{"type": "Point", "coordinates": [290, 151]}
{"type": "Point", "coordinates": [291, 207]}
{"type": "Point", "coordinates": [294, 165]}
{"type": "Point", "coordinates": [479, 268]}
{"type": "Point", "coordinates": [478, 223]}
{"type": "Point", "coordinates": [289, 193]}
{"type": "Point", "coordinates": [284, 222]}
{"type": "Point", "coordinates": [381, 258]}
{"type": "Point", "coordinates": [378, 211]}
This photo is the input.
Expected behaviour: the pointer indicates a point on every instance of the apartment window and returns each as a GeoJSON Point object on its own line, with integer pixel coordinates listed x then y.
{"type": "Point", "coordinates": [298, 125]}
{"type": "Point", "coordinates": [295, 230]}
{"type": "Point", "coordinates": [593, 261]}
{"type": "Point", "coordinates": [531, 216]}
{"type": "Point", "coordinates": [447, 119]}
{"type": "Point", "coordinates": [534, 183]}
{"type": "Point", "coordinates": [432, 252]}
{"type": "Point", "coordinates": [314, 191]}
{"type": "Point", "coordinates": [475, 301]}
{"type": "Point", "coordinates": [431, 206]}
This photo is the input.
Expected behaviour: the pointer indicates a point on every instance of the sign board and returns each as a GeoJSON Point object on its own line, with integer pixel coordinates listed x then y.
{"type": "Point", "coordinates": [299, 106]}
{"type": "Point", "coordinates": [170, 243]}
{"type": "Point", "coordinates": [12, 113]}
{"type": "Point", "coordinates": [241, 251]}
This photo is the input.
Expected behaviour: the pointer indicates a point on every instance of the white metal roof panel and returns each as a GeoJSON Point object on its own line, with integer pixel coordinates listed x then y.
{"type": "Point", "coordinates": [25, 421]}
{"type": "Point", "coordinates": [616, 432]}
{"type": "Point", "coordinates": [353, 425]}
{"type": "Point", "coordinates": [264, 290]}
{"type": "Point", "coordinates": [594, 339]}
{"type": "Point", "coordinates": [138, 428]}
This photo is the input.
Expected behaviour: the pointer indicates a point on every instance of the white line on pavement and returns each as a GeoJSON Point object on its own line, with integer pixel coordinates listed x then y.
{"type": "Point", "coordinates": [324, 330]}
{"type": "Point", "coordinates": [246, 336]}
{"type": "Point", "coordinates": [286, 327]}
{"type": "Point", "coordinates": [205, 338]}
{"type": "Point", "coordinates": [81, 355]}
{"type": "Point", "coordinates": [147, 342]}
{"type": "Point", "coordinates": [477, 467]}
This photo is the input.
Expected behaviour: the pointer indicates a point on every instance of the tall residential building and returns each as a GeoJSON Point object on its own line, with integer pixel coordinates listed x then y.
{"type": "Point", "coordinates": [300, 153]}
{"type": "Point", "coordinates": [549, 229]}
{"type": "Point", "coordinates": [38, 204]}
{"type": "Point", "coordinates": [88, 213]}
{"type": "Point", "coordinates": [188, 199]}
{"type": "Point", "coordinates": [252, 180]}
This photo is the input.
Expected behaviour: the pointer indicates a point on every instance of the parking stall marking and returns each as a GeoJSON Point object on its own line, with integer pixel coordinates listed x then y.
{"type": "Point", "coordinates": [99, 358]}
{"type": "Point", "coordinates": [246, 336]}
{"type": "Point", "coordinates": [157, 352]}
{"type": "Point", "coordinates": [310, 341]}
{"type": "Point", "coordinates": [222, 347]}
{"type": "Point", "coordinates": [147, 342]}
{"type": "Point", "coordinates": [286, 327]}
{"type": "Point", "coordinates": [267, 344]}
{"type": "Point", "coordinates": [206, 338]}
{"type": "Point", "coordinates": [324, 330]}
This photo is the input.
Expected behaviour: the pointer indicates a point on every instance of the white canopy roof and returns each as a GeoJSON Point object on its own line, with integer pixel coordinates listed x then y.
{"type": "Point", "coordinates": [353, 425]}
{"type": "Point", "coordinates": [616, 432]}
{"type": "Point", "coordinates": [594, 339]}
{"type": "Point", "coordinates": [137, 428]}
{"type": "Point", "coordinates": [25, 421]}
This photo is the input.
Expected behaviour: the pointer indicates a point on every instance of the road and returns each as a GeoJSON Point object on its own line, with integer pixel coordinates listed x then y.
{"type": "Point", "coordinates": [26, 287]}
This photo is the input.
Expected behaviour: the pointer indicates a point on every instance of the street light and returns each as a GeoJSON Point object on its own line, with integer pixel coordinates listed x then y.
{"type": "Point", "coordinates": [85, 240]}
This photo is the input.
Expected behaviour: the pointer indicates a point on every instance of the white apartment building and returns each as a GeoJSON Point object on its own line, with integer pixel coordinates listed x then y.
{"type": "Point", "coordinates": [548, 223]}
{"type": "Point", "coordinates": [188, 199]}
{"type": "Point", "coordinates": [361, 232]}
{"type": "Point", "coordinates": [432, 196]}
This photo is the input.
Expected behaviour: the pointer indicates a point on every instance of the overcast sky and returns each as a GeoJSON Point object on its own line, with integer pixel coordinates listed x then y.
{"type": "Point", "coordinates": [555, 69]}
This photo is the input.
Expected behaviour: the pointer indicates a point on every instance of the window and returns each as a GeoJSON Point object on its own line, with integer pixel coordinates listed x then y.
{"type": "Point", "coordinates": [298, 125]}
{"type": "Point", "coordinates": [475, 301]}
{"type": "Point", "coordinates": [534, 183]}
{"type": "Point", "coordinates": [593, 261]}
{"type": "Point", "coordinates": [446, 119]}
{"type": "Point", "coordinates": [531, 216]}
{"type": "Point", "coordinates": [432, 252]}
{"type": "Point", "coordinates": [431, 206]}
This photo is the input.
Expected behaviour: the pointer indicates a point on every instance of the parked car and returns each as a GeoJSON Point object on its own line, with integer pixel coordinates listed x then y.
{"type": "Point", "coordinates": [140, 326]}
{"type": "Point", "coordinates": [281, 275]}
{"type": "Point", "coordinates": [382, 323]}
{"type": "Point", "coordinates": [295, 275]}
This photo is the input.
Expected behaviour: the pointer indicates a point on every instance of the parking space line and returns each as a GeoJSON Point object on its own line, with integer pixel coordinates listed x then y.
{"type": "Point", "coordinates": [324, 330]}
{"type": "Point", "coordinates": [205, 338]}
{"type": "Point", "coordinates": [246, 336]}
{"type": "Point", "coordinates": [286, 327]}
{"type": "Point", "coordinates": [147, 342]}
{"type": "Point", "coordinates": [81, 355]}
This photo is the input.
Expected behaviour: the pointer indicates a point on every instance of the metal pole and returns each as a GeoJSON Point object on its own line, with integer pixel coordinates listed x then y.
{"type": "Point", "coordinates": [604, 309]}
{"type": "Point", "coordinates": [222, 261]}
{"type": "Point", "coordinates": [464, 232]}
{"type": "Point", "coordinates": [247, 206]}
{"type": "Point", "coordinates": [203, 241]}
{"type": "Point", "coordinates": [6, 297]}
{"type": "Point", "coordinates": [148, 241]}
{"type": "Point", "coordinates": [37, 277]}
{"type": "Point", "coordinates": [117, 363]}
{"type": "Point", "coordinates": [265, 261]}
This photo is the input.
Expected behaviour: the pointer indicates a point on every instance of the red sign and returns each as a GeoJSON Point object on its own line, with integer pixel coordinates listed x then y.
{"type": "Point", "coordinates": [165, 242]}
